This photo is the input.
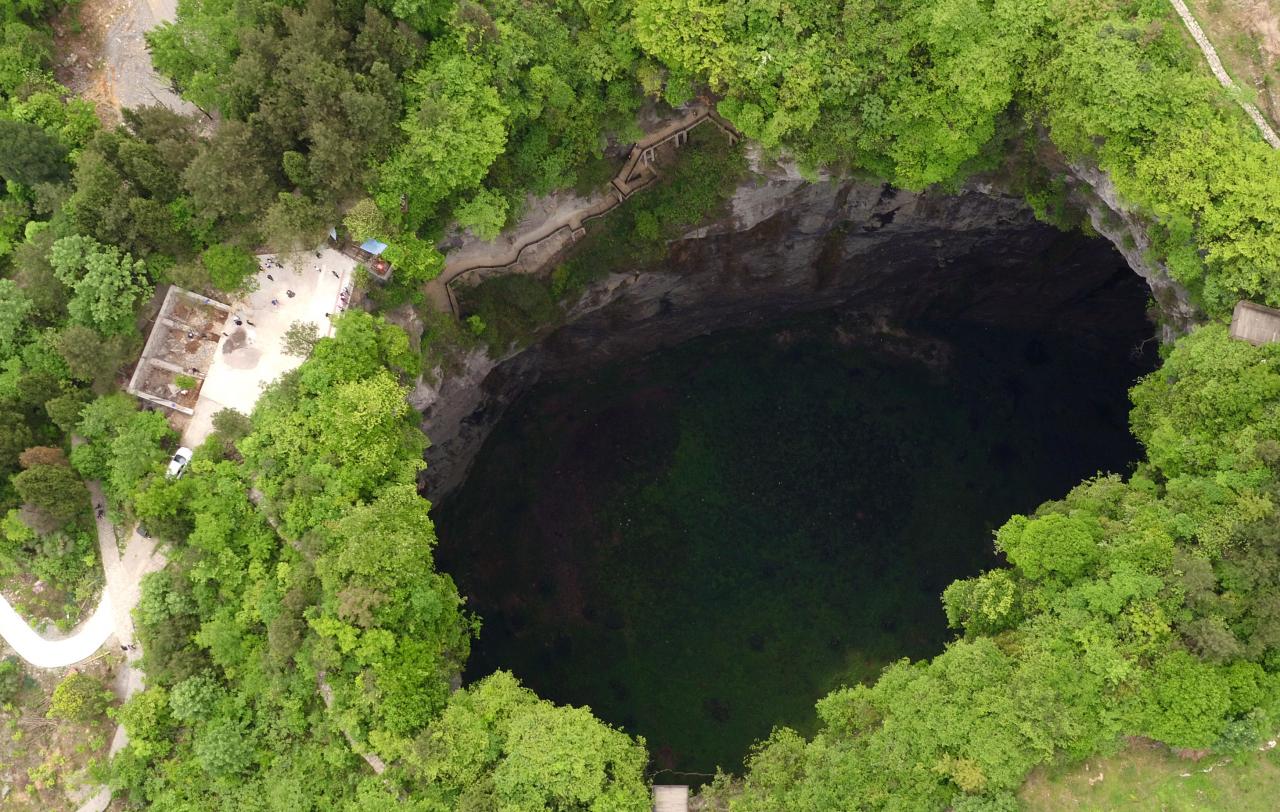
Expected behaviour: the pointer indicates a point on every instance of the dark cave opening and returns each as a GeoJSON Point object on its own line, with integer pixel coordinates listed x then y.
{"type": "Point", "coordinates": [700, 541]}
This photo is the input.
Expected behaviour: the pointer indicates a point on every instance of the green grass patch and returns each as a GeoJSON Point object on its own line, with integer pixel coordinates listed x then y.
{"type": "Point", "coordinates": [1147, 776]}
{"type": "Point", "coordinates": [595, 173]}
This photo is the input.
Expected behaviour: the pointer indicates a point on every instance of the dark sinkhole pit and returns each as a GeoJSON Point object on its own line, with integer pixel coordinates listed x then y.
{"type": "Point", "coordinates": [700, 542]}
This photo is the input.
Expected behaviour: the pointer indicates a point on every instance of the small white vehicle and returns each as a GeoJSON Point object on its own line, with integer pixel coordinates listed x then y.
{"type": "Point", "coordinates": [178, 464]}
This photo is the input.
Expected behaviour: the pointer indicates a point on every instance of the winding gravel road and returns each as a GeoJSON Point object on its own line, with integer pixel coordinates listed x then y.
{"type": "Point", "coordinates": [120, 592]}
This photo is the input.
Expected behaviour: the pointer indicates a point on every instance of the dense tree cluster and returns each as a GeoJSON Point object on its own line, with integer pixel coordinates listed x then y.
{"type": "Point", "coordinates": [439, 111]}
{"type": "Point", "coordinates": [90, 221]}
{"type": "Point", "coordinates": [513, 98]}
{"type": "Point", "coordinates": [913, 91]}
{"type": "Point", "coordinates": [311, 96]}
{"type": "Point", "coordinates": [926, 92]}
{"type": "Point", "coordinates": [280, 629]}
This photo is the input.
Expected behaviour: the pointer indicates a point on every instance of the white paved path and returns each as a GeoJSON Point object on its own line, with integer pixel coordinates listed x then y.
{"type": "Point", "coordinates": [83, 643]}
{"type": "Point", "coordinates": [1224, 78]}
{"type": "Point", "coordinates": [120, 592]}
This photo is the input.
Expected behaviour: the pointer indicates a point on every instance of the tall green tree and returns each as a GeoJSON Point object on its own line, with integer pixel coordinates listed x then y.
{"type": "Point", "coordinates": [29, 155]}
{"type": "Point", "coordinates": [497, 745]}
{"type": "Point", "coordinates": [56, 492]}
{"type": "Point", "coordinates": [228, 179]}
{"type": "Point", "coordinates": [123, 444]}
{"type": "Point", "coordinates": [107, 285]}
{"type": "Point", "coordinates": [229, 266]}
{"type": "Point", "coordinates": [455, 129]}
{"type": "Point", "coordinates": [15, 307]}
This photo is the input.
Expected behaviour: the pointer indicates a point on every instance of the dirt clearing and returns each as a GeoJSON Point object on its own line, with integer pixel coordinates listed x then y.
{"type": "Point", "coordinates": [102, 55]}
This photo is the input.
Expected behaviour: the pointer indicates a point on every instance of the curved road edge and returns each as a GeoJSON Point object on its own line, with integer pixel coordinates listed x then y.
{"type": "Point", "coordinates": [82, 644]}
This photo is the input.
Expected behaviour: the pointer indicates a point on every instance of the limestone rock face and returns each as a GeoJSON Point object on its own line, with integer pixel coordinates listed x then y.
{"type": "Point", "coordinates": [1115, 221]}
{"type": "Point", "coordinates": [786, 245]}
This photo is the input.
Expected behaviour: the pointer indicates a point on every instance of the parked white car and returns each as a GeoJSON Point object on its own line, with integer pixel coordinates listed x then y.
{"type": "Point", "coordinates": [178, 464]}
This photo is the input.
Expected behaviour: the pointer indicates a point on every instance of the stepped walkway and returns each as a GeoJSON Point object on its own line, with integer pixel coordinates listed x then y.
{"type": "Point", "coordinates": [566, 225]}
{"type": "Point", "coordinates": [1224, 78]}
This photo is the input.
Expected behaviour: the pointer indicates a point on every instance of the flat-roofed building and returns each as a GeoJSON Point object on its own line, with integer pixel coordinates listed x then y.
{"type": "Point", "coordinates": [1255, 323]}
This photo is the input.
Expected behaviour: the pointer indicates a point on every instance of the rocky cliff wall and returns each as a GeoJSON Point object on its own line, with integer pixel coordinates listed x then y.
{"type": "Point", "coordinates": [885, 257]}
{"type": "Point", "coordinates": [1118, 224]}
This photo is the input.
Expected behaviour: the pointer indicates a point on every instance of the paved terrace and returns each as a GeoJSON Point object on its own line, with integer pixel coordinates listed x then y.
{"type": "Point", "coordinates": [251, 354]}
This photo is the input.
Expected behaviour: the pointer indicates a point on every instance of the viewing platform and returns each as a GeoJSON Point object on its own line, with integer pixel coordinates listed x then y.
{"type": "Point", "coordinates": [670, 798]}
{"type": "Point", "coordinates": [367, 253]}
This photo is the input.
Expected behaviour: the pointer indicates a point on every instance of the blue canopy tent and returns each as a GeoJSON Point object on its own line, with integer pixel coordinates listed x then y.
{"type": "Point", "coordinates": [373, 247]}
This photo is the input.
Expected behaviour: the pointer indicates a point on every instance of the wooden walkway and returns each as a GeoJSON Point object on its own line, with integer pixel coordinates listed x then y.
{"type": "Point", "coordinates": [1219, 72]}
{"type": "Point", "coordinates": [637, 173]}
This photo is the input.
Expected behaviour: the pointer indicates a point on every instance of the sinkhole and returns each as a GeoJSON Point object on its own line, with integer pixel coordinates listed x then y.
{"type": "Point", "coordinates": [700, 541]}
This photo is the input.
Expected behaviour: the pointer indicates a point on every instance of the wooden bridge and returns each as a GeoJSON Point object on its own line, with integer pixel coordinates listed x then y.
{"type": "Point", "coordinates": [569, 226]}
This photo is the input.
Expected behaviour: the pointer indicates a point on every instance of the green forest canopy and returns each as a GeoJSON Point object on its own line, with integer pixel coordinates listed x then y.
{"type": "Point", "coordinates": [1130, 607]}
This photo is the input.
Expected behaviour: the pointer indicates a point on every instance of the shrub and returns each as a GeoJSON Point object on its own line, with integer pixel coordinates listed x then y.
{"type": "Point", "coordinates": [230, 268]}
{"type": "Point", "coordinates": [11, 679]}
{"type": "Point", "coordinates": [79, 698]}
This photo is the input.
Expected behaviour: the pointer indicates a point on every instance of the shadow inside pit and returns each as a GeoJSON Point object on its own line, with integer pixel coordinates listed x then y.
{"type": "Point", "coordinates": [701, 542]}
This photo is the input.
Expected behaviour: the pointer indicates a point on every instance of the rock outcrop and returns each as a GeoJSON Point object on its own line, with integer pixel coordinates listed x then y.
{"type": "Point", "coordinates": [1117, 222]}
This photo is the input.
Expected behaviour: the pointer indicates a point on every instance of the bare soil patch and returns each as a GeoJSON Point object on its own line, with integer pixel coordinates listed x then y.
{"type": "Point", "coordinates": [80, 34]}
{"type": "Point", "coordinates": [102, 56]}
{"type": "Point", "coordinates": [44, 763]}
{"type": "Point", "coordinates": [49, 610]}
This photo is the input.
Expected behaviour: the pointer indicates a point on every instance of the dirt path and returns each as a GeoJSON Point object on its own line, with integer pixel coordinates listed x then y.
{"type": "Point", "coordinates": [1215, 65]}
{"type": "Point", "coordinates": [105, 58]}
{"type": "Point", "coordinates": [565, 217]}
{"type": "Point", "coordinates": [372, 759]}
